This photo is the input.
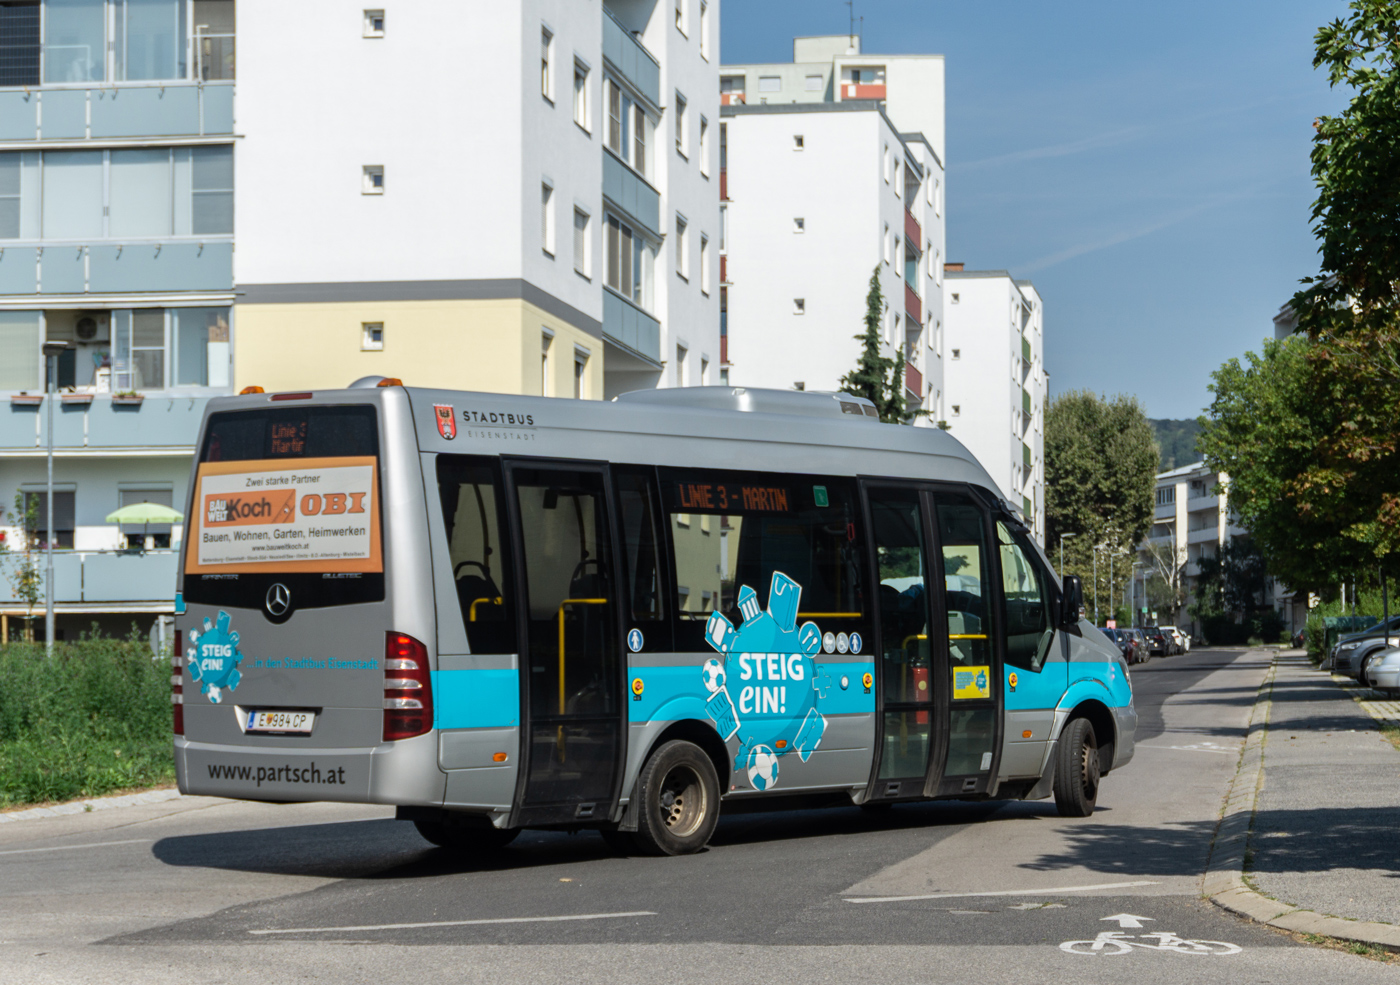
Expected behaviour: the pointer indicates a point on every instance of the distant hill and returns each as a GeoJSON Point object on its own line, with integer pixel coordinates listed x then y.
{"type": "Point", "coordinates": [1177, 440]}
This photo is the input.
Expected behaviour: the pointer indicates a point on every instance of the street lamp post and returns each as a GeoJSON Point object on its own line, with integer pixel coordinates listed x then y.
{"type": "Point", "coordinates": [52, 350]}
{"type": "Point", "coordinates": [1063, 538]}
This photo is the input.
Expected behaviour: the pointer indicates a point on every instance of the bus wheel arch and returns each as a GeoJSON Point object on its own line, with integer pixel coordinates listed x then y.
{"type": "Point", "coordinates": [702, 734]}
{"type": "Point", "coordinates": [1105, 729]}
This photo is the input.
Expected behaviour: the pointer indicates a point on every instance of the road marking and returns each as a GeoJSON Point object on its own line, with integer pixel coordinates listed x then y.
{"type": "Point", "coordinates": [1114, 942]}
{"type": "Point", "coordinates": [1054, 891]}
{"type": "Point", "coordinates": [457, 923]}
{"type": "Point", "coordinates": [1199, 747]}
{"type": "Point", "coordinates": [69, 848]}
{"type": "Point", "coordinates": [1128, 919]}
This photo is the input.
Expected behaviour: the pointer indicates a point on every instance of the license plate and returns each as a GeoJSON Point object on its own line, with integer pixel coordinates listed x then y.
{"type": "Point", "coordinates": [299, 722]}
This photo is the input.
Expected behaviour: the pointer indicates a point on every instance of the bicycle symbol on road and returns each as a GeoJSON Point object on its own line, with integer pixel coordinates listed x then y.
{"type": "Point", "coordinates": [1117, 942]}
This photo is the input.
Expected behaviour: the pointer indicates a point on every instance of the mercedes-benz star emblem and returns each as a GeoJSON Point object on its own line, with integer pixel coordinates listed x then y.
{"type": "Point", "coordinates": [279, 599]}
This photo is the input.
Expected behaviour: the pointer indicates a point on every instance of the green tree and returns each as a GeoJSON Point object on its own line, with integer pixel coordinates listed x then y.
{"type": "Point", "coordinates": [877, 377]}
{"type": "Point", "coordinates": [1100, 471]}
{"type": "Point", "coordinates": [18, 563]}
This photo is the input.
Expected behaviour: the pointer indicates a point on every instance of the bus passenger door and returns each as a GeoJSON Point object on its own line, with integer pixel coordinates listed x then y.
{"type": "Point", "coordinates": [907, 740]}
{"type": "Point", "coordinates": [572, 678]}
{"type": "Point", "coordinates": [968, 648]}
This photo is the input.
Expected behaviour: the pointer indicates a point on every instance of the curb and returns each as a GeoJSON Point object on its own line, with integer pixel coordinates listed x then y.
{"type": "Point", "coordinates": [95, 804]}
{"type": "Point", "coordinates": [1224, 881]}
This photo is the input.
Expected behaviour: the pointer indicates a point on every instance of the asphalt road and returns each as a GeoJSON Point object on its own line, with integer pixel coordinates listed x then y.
{"type": "Point", "coordinates": [210, 890]}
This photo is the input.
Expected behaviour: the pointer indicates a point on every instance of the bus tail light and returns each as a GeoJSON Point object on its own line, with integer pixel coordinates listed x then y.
{"type": "Point", "coordinates": [177, 690]}
{"type": "Point", "coordinates": [408, 688]}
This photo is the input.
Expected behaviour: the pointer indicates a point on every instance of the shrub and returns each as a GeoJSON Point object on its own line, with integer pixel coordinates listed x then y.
{"type": "Point", "coordinates": [93, 718]}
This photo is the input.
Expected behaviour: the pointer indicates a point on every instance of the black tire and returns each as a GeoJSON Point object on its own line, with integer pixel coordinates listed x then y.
{"type": "Point", "coordinates": [465, 838]}
{"type": "Point", "coordinates": [1077, 770]}
{"type": "Point", "coordinates": [678, 794]}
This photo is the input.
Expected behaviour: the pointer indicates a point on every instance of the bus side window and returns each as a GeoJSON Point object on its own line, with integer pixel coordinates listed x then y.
{"type": "Point", "coordinates": [470, 493]}
{"type": "Point", "coordinates": [643, 588]}
{"type": "Point", "coordinates": [1027, 614]}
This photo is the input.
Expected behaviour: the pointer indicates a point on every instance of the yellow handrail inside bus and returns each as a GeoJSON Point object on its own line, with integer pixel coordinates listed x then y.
{"type": "Point", "coordinates": [562, 605]}
{"type": "Point", "coordinates": [967, 636]}
{"type": "Point", "coordinates": [471, 614]}
{"type": "Point", "coordinates": [916, 636]}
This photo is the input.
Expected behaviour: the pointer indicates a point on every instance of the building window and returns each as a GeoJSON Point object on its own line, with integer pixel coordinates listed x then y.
{"type": "Point", "coordinates": [799, 142]}
{"type": "Point", "coordinates": [799, 225]}
{"type": "Point", "coordinates": [63, 514]}
{"type": "Point", "coordinates": [896, 180]}
{"type": "Point", "coordinates": [957, 410]}
{"type": "Point", "coordinates": [680, 16]}
{"type": "Point", "coordinates": [937, 197]}
{"type": "Point", "coordinates": [629, 263]}
{"type": "Point", "coordinates": [19, 36]}
{"type": "Point", "coordinates": [770, 83]}
{"type": "Point", "coordinates": [681, 353]}
{"type": "Point", "coordinates": [957, 353]}
{"type": "Point", "coordinates": [9, 191]}
{"type": "Point", "coordinates": [546, 64]}
{"type": "Point", "coordinates": [211, 182]}
{"type": "Point", "coordinates": [547, 219]}
{"type": "Point", "coordinates": [581, 95]}
{"type": "Point", "coordinates": [75, 41]}
{"type": "Point", "coordinates": [723, 228]}
{"type": "Point", "coordinates": [813, 83]}
{"type": "Point", "coordinates": [704, 264]}
{"type": "Point", "coordinates": [546, 342]}
{"type": "Point", "coordinates": [680, 248]}
{"type": "Point", "coordinates": [581, 264]}
{"type": "Point", "coordinates": [372, 179]}
{"type": "Point", "coordinates": [1166, 495]}
{"type": "Point", "coordinates": [799, 306]}
{"type": "Point", "coordinates": [885, 164]}
{"type": "Point", "coordinates": [885, 242]}
{"type": "Point", "coordinates": [731, 90]}
{"type": "Point", "coordinates": [680, 124]}
{"type": "Point", "coordinates": [629, 127]}
{"type": "Point", "coordinates": [372, 336]}
{"type": "Point", "coordinates": [704, 371]}
{"type": "Point", "coordinates": [704, 147]}
{"type": "Point", "coordinates": [704, 30]}
{"type": "Point", "coordinates": [580, 374]}
{"type": "Point", "coordinates": [956, 297]}
{"type": "Point", "coordinates": [374, 23]}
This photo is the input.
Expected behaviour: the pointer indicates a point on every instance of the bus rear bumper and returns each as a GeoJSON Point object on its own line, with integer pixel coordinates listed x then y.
{"type": "Point", "coordinates": [403, 772]}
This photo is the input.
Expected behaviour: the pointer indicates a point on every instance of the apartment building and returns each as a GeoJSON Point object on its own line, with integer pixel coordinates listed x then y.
{"type": "Point", "coordinates": [539, 223]}
{"type": "Point", "coordinates": [116, 238]}
{"type": "Point", "coordinates": [831, 168]}
{"type": "Point", "coordinates": [995, 383]}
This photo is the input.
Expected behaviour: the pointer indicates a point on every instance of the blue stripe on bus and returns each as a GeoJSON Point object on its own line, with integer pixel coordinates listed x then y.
{"type": "Point", "coordinates": [1050, 688]}
{"type": "Point", "coordinates": [476, 698]}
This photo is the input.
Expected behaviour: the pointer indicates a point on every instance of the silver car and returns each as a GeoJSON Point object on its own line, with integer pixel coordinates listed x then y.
{"type": "Point", "coordinates": [1383, 672]}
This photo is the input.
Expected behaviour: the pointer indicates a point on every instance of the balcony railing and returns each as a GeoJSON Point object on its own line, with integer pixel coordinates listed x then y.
{"type": "Point", "coordinates": [723, 268]}
{"type": "Point", "coordinates": [108, 267]}
{"type": "Point", "coordinates": [913, 305]}
{"type": "Point", "coordinates": [914, 381]}
{"type": "Point", "coordinates": [724, 184]}
{"type": "Point", "coordinates": [913, 232]}
{"type": "Point", "coordinates": [178, 108]}
{"type": "Point", "coordinates": [724, 349]}
{"type": "Point", "coordinates": [852, 90]}
{"type": "Point", "coordinates": [105, 577]}
{"type": "Point", "coordinates": [630, 57]}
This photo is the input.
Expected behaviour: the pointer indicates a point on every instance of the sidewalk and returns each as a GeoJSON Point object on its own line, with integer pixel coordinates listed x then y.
{"type": "Point", "coordinates": [1322, 787]}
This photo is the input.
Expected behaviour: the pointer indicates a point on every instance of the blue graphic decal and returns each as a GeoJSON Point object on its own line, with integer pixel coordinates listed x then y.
{"type": "Point", "coordinates": [634, 640]}
{"type": "Point", "coordinates": [769, 661]}
{"type": "Point", "coordinates": [214, 658]}
{"type": "Point", "coordinates": [855, 642]}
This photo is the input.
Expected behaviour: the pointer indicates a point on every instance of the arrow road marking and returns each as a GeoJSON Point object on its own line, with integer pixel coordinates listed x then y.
{"type": "Point", "coordinates": [1127, 919]}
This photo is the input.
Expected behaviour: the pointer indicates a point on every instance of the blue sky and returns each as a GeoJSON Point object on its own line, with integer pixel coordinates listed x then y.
{"type": "Point", "coordinates": [1145, 163]}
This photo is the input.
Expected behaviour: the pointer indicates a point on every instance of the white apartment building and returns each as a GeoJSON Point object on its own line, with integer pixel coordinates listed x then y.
{"type": "Point", "coordinates": [515, 197]}
{"type": "Point", "coordinates": [1190, 521]}
{"type": "Point", "coordinates": [832, 166]}
{"type": "Point", "coordinates": [995, 383]}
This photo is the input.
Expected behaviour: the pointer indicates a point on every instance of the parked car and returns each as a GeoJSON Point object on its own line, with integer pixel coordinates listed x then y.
{"type": "Point", "coordinates": [1383, 672]}
{"type": "Point", "coordinates": [1353, 652]}
{"type": "Point", "coordinates": [1140, 638]}
{"type": "Point", "coordinates": [1180, 642]}
{"type": "Point", "coordinates": [1157, 641]}
{"type": "Point", "coordinates": [1127, 643]}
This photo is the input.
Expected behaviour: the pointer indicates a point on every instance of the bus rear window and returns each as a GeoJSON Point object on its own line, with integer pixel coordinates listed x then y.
{"type": "Point", "coordinates": [291, 432]}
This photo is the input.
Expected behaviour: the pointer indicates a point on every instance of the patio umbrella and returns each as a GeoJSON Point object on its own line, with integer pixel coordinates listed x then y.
{"type": "Point", "coordinates": [146, 514]}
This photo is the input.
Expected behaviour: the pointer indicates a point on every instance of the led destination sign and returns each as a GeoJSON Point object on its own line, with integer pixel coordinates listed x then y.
{"type": "Point", "coordinates": [726, 497]}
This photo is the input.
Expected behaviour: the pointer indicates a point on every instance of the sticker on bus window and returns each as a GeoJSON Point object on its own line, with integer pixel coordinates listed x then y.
{"type": "Point", "coordinates": [971, 682]}
{"type": "Point", "coordinates": [311, 515]}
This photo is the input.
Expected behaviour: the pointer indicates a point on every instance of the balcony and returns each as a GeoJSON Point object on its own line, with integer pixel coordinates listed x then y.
{"type": "Point", "coordinates": [1026, 403]}
{"type": "Point", "coordinates": [1205, 535]}
{"type": "Point", "coordinates": [104, 581]}
{"type": "Point", "coordinates": [724, 349]}
{"type": "Point", "coordinates": [627, 55]}
{"type": "Point", "coordinates": [914, 381]}
{"type": "Point", "coordinates": [103, 268]}
{"type": "Point", "coordinates": [724, 184]}
{"type": "Point", "coordinates": [724, 268]}
{"type": "Point", "coordinates": [913, 305]}
{"type": "Point", "coordinates": [851, 90]}
{"type": "Point", "coordinates": [629, 326]}
{"type": "Point", "coordinates": [631, 193]}
{"type": "Point", "coordinates": [913, 232]}
{"type": "Point", "coordinates": [1026, 457]}
{"type": "Point", "coordinates": [1026, 352]}
{"type": "Point", "coordinates": [103, 112]}
{"type": "Point", "coordinates": [160, 425]}
{"type": "Point", "coordinates": [731, 99]}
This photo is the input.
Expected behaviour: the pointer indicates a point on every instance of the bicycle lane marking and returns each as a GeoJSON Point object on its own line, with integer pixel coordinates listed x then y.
{"type": "Point", "coordinates": [1116, 942]}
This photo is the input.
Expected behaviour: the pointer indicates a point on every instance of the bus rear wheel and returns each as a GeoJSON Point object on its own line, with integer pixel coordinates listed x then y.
{"type": "Point", "coordinates": [679, 801]}
{"type": "Point", "coordinates": [465, 838]}
{"type": "Point", "coordinates": [1077, 770]}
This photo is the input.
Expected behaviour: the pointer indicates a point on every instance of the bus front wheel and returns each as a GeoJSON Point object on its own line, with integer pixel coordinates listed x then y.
{"type": "Point", "coordinates": [679, 800]}
{"type": "Point", "coordinates": [1077, 771]}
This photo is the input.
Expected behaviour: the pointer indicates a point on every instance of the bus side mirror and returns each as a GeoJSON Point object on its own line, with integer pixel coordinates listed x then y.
{"type": "Point", "coordinates": [1072, 602]}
